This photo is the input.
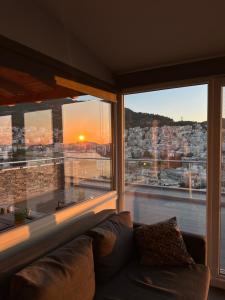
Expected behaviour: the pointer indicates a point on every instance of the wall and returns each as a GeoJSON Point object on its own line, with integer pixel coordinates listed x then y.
{"type": "Point", "coordinates": [19, 184]}
{"type": "Point", "coordinates": [24, 22]}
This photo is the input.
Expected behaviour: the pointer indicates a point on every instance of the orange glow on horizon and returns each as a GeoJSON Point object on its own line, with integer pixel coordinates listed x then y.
{"type": "Point", "coordinates": [91, 120]}
{"type": "Point", "coordinates": [81, 138]}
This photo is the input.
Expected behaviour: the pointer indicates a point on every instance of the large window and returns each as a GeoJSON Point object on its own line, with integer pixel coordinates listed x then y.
{"type": "Point", "coordinates": [38, 128]}
{"type": "Point", "coordinates": [53, 154]}
{"type": "Point", "coordinates": [222, 197]}
{"type": "Point", "coordinates": [166, 156]}
{"type": "Point", "coordinates": [5, 137]}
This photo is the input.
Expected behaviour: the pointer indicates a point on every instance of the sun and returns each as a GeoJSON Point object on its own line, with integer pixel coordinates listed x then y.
{"type": "Point", "coordinates": [81, 138]}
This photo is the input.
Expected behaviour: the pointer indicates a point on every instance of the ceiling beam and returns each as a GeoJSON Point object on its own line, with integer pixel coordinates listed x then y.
{"type": "Point", "coordinates": [180, 72]}
{"type": "Point", "coordinates": [57, 93]}
{"type": "Point", "coordinates": [85, 89]}
{"type": "Point", "coordinates": [22, 58]}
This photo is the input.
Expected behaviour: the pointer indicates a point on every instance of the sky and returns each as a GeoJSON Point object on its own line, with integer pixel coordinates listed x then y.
{"type": "Point", "coordinates": [90, 119]}
{"type": "Point", "coordinates": [5, 130]}
{"type": "Point", "coordinates": [38, 127]}
{"type": "Point", "coordinates": [186, 103]}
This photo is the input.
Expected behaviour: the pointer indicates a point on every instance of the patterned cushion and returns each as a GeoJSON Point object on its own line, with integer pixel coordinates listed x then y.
{"type": "Point", "coordinates": [162, 244]}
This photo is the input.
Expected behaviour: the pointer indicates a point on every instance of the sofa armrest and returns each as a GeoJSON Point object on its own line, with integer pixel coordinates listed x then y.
{"type": "Point", "coordinates": [196, 245]}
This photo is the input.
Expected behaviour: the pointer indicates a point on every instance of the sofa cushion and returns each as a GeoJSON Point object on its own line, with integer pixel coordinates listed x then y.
{"type": "Point", "coordinates": [136, 281]}
{"type": "Point", "coordinates": [112, 245]}
{"type": "Point", "coordinates": [162, 244]}
{"type": "Point", "coordinates": [12, 260]}
{"type": "Point", "coordinates": [66, 273]}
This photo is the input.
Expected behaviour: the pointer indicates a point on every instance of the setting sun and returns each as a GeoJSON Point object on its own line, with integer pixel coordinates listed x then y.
{"type": "Point", "coordinates": [81, 137]}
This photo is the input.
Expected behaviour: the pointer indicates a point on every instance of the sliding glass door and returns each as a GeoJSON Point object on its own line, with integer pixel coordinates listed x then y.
{"type": "Point", "coordinates": [175, 162]}
{"type": "Point", "coordinates": [166, 156]}
{"type": "Point", "coordinates": [222, 189]}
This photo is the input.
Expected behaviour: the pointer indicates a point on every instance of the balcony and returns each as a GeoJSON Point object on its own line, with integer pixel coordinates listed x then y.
{"type": "Point", "coordinates": [176, 187]}
{"type": "Point", "coordinates": [162, 194]}
{"type": "Point", "coordinates": [69, 179]}
{"type": "Point", "coordinates": [42, 186]}
{"type": "Point", "coordinates": [153, 190]}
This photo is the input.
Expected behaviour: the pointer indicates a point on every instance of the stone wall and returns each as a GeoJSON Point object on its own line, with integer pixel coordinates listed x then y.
{"type": "Point", "coordinates": [20, 184]}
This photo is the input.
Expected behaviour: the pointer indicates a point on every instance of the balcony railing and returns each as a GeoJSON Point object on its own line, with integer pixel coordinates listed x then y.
{"type": "Point", "coordinates": [159, 172]}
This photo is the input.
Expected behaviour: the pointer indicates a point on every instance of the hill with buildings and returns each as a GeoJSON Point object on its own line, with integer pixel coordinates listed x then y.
{"type": "Point", "coordinates": [140, 119]}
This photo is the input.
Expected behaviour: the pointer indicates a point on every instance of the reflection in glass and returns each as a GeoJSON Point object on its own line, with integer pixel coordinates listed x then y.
{"type": "Point", "coordinates": [59, 154]}
{"type": "Point", "coordinates": [5, 137]}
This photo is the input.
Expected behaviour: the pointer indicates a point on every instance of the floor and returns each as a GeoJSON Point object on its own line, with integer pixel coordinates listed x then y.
{"type": "Point", "coordinates": [216, 294]}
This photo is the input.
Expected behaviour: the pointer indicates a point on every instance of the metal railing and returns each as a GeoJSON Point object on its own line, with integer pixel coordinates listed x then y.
{"type": "Point", "coordinates": [184, 174]}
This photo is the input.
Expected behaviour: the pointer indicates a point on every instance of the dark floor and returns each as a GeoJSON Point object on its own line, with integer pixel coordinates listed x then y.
{"type": "Point", "coordinates": [216, 294]}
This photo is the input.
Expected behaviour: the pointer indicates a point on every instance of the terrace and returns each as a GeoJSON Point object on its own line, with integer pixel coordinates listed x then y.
{"type": "Point", "coordinates": [68, 149]}
{"type": "Point", "coordinates": [148, 203]}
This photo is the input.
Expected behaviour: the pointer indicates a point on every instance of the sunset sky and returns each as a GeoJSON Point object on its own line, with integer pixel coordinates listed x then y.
{"type": "Point", "coordinates": [90, 119]}
{"type": "Point", "coordinates": [187, 103]}
{"type": "Point", "coordinates": [5, 130]}
{"type": "Point", "coordinates": [38, 127]}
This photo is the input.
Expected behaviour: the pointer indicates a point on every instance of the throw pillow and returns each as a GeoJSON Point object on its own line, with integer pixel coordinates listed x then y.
{"type": "Point", "coordinates": [66, 273]}
{"type": "Point", "coordinates": [112, 245]}
{"type": "Point", "coordinates": [162, 244]}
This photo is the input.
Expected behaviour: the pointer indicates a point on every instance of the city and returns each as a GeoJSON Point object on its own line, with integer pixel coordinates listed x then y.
{"type": "Point", "coordinates": [167, 155]}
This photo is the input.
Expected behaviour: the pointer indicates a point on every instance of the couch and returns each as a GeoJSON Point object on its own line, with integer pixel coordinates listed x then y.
{"type": "Point", "coordinates": [118, 276]}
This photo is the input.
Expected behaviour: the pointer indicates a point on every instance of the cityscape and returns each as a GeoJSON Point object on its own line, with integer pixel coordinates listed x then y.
{"type": "Point", "coordinates": [166, 155]}
{"type": "Point", "coordinates": [158, 152]}
{"type": "Point", "coordinates": [46, 173]}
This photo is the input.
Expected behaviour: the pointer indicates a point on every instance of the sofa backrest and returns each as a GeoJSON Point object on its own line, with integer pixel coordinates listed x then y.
{"type": "Point", "coordinates": [43, 245]}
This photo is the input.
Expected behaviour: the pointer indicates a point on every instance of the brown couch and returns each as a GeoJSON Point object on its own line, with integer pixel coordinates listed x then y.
{"type": "Point", "coordinates": [129, 280]}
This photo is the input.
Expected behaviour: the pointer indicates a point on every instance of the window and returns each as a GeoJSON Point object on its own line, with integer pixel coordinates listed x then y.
{"type": "Point", "coordinates": [222, 196]}
{"type": "Point", "coordinates": [53, 154]}
{"type": "Point", "coordinates": [166, 156]}
{"type": "Point", "coordinates": [5, 138]}
{"type": "Point", "coordinates": [38, 128]}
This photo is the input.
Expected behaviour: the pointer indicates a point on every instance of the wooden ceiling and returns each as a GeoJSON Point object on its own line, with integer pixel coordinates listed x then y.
{"type": "Point", "coordinates": [17, 87]}
{"type": "Point", "coordinates": [28, 76]}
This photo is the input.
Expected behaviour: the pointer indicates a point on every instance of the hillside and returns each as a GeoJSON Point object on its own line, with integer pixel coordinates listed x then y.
{"type": "Point", "coordinates": [139, 119]}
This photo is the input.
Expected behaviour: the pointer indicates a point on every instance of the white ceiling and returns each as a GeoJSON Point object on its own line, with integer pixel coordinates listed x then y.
{"type": "Point", "coordinates": [130, 35]}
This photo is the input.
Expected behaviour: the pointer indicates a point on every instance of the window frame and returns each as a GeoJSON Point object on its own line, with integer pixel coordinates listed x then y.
{"type": "Point", "coordinates": [213, 169]}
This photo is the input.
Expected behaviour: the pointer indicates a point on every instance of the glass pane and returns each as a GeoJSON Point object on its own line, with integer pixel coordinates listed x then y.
{"type": "Point", "coordinates": [53, 154]}
{"type": "Point", "coordinates": [5, 139]}
{"type": "Point", "coordinates": [222, 205]}
{"type": "Point", "coordinates": [166, 152]}
{"type": "Point", "coordinates": [38, 128]}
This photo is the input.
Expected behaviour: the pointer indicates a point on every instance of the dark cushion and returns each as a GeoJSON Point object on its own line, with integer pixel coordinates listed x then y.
{"type": "Point", "coordinates": [13, 260]}
{"type": "Point", "coordinates": [112, 245]}
{"type": "Point", "coordinates": [136, 281]}
{"type": "Point", "coordinates": [162, 244]}
{"type": "Point", "coordinates": [67, 273]}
